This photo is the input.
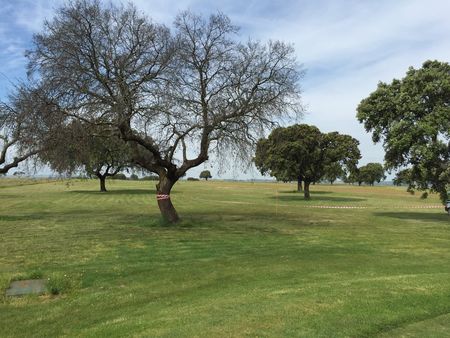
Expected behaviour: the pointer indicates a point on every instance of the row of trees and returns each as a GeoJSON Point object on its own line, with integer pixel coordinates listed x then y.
{"type": "Point", "coordinates": [109, 88]}
{"type": "Point", "coordinates": [411, 117]}
{"type": "Point", "coordinates": [303, 153]}
{"type": "Point", "coordinates": [369, 174]}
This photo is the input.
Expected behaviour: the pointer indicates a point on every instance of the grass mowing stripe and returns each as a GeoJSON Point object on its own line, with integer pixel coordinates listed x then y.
{"type": "Point", "coordinates": [229, 269]}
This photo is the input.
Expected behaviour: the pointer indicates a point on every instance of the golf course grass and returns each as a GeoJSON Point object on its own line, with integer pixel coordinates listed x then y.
{"type": "Point", "coordinates": [248, 259]}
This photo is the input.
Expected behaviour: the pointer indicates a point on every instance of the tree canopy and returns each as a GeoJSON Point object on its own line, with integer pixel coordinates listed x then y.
{"type": "Point", "coordinates": [24, 125]}
{"type": "Point", "coordinates": [332, 172]}
{"type": "Point", "coordinates": [302, 152]}
{"type": "Point", "coordinates": [206, 174]}
{"type": "Point", "coordinates": [87, 147]}
{"type": "Point", "coordinates": [411, 117]}
{"type": "Point", "coordinates": [176, 96]}
{"type": "Point", "coordinates": [371, 173]}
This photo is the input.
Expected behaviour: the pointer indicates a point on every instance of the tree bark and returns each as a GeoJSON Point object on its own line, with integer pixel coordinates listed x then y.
{"type": "Point", "coordinates": [102, 184]}
{"type": "Point", "coordinates": [306, 193]}
{"type": "Point", "coordinates": [299, 184]}
{"type": "Point", "coordinates": [165, 205]}
{"type": "Point", "coordinates": [102, 179]}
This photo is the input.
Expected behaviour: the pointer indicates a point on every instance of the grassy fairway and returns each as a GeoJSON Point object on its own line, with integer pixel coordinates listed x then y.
{"type": "Point", "coordinates": [247, 260]}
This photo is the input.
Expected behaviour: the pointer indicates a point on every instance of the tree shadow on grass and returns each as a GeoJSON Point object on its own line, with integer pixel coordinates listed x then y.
{"type": "Point", "coordinates": [301, 193]}
{"type": "Point", "coordinates": [117, 192]}
{"type": "Point", "coordinates": [417, 216]}
{"type": "Point", "coordinates": [314, 198]}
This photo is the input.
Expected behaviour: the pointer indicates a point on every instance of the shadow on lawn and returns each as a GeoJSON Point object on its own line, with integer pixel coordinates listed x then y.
{"type": "Point", "coordinates": [117, 192]}
{"type": "Point", "coordinates": [299, 197]}
{"type": "Point", "coordinates": [417, 216]}
{"type": "Point", "coordinates": [301, 193]}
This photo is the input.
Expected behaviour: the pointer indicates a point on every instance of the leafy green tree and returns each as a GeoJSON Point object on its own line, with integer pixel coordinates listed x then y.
{"type": "Point", "coordinates": [205, 174]}
{"type": "Point", "coordinates": [411, 117]}
{"type": "Point", "coordinates": [81, 146]}
{"type": "Point", "coordinates": [302, 152]}
{"type": "Point", "coordinates": [371, 173]}
{"type": "Point", "coordinates": [333, 172]}
{"type": "Point", "coordinates": [353, 177]}
{"type": "Point", "coordinates": [402, 177]}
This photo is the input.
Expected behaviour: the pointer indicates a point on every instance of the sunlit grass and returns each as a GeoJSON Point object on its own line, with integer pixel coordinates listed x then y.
{"type": "Point", "coordinates": [248, 259]}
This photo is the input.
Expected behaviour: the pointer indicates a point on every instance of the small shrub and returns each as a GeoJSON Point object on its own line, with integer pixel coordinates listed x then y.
{"type": "Point", "coordinates": [424, 195]}
{"type": "Point", "coordinates": [134, 177]}
{"type": "Point", "coordinates": [192, 179]}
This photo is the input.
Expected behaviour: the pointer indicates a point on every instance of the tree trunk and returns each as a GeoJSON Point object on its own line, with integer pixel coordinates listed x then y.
{"type": "Point", "coordinates": [306, 193]}
{"type": "Point", "coordinates": [299, 184]}
{"type": "Point", "coordinates": [102, 179]}
{"type": "Point", "coordinates": [165, 205]}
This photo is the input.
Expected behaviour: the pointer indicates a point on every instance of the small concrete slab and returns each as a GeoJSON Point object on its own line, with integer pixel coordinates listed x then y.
{"type": "Point", "coordinates": [27, 287]}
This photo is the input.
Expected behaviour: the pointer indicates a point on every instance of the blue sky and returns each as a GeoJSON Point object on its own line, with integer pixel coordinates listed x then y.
{"type": "Point", "coordinates": [345, 46]}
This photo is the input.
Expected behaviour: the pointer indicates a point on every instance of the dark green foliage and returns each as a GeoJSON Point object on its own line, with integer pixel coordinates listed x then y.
{"type": "Point", "coordinates": [402, 177]}
{"type": "Point", "coordinates": [411, 117]}
{"type": "Point", "coordinates": [302, 152]}
{"type": "Point", "coordinates": [205, 174]}
{"type": "Point", "coordinates": [134, 177]}
{"type": "Point", "coordinates": [333, 172]}
{"type": "Point", "coordinates": [119, 176]}
{"type": "Point", "coordinates": [371, 173]}
{"type": "Point", "coordinates": [353, 177]}
{"type": "Point", "coordinates": [192, 179]}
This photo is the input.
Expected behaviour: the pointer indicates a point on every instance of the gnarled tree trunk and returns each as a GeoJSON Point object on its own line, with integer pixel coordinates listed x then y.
{"type": "Point", "coordinates": [306, 193]}
{"type": "Point", "coordinates": [165, 205]}
{"type": "Point", "coordinates": [102, 179]}
{"type": "Point", "coordinates": [299, 184]}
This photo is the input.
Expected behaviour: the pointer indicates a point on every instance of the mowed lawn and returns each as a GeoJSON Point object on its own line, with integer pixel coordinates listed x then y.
{"type": "Point", "coordinates": [248, 259]}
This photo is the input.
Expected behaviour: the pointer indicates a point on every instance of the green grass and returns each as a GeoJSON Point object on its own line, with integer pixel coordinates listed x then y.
{"type": "Point", "coordinates": [247, 260]}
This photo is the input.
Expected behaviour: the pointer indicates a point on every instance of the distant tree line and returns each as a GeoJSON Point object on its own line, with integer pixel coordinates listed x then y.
{"type": "Point", "coordinates": [109, 89]}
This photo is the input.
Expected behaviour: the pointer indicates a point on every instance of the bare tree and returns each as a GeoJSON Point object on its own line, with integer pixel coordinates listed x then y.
{"type": "Point", "coordinates": [10, 135]}
{"type": "Point", "coordinates": [22, 129]}
{"type": "Point", "coordinates": [176, 98]}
